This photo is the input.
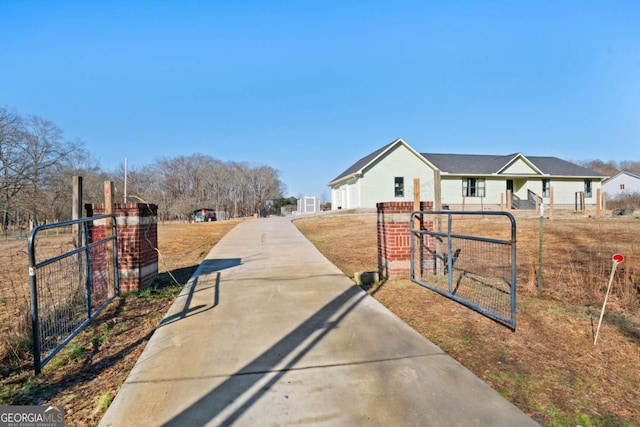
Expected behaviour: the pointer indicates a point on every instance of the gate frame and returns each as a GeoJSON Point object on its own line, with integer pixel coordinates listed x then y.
{"type": "Point", "coordinates": [510, 323]}
{"type": "Point", "coordinates": [83, 246]}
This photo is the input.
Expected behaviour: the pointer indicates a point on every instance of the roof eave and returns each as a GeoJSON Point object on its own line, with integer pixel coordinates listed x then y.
{"type": "Point", "coordinates": [345, 178]}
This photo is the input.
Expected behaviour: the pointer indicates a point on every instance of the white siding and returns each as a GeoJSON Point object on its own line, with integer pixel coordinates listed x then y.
{"type": "Point", "coordinates": [495, 188]}
{"type": "Point", "coordinates": [519, 166]}
{"type": "Point", "coordinates": [346, 196]}
{"type": "Point", "coordinates": [621, 184]}
{"type": "Point", "coordinates": [535, 185]}
{"type": "Point", "coordinates": [451, 190]}
{"type": "Point", "coordinates": [353, 194]}
{"type": "Point", "coordinates": [564, 191]}
{"type": "Point", "coordinates": [377, 182]}
{"type": "Point", "coordinates": [339, 197]}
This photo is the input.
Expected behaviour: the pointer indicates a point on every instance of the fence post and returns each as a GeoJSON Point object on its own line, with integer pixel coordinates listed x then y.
{"type": "Point", "coordinates": [76, 209]}
{"type": "Point", "coordinates": [108, 232]}
{"type": "Point", "coordinates": [540, 248]}
{"type": "Point", "coordinates": [417, 221]}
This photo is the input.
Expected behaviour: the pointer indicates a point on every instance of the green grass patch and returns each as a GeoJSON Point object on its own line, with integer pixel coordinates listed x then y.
{"type": "Point", "coordinates": [104, 401]}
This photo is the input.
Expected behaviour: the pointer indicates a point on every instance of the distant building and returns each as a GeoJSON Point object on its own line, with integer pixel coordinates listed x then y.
{"type": "Point", "coordinates": [308, 204]}
{"type": "Point", "coordinates": [207, 215]}
{"type": "Point", "coordinates": [622, 183]}
{"type": "Point", "coordinates": [203, 215]}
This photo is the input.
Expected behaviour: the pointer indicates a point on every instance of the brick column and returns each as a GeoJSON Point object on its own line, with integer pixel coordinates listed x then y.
{"type": "Point", "coordinates": [394, 251]}
{"type": "Point", "coordinates": [137, 242]}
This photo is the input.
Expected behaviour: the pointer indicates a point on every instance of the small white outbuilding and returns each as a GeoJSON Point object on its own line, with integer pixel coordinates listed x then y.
{"type": "Point", "coordinates": [308, 204]}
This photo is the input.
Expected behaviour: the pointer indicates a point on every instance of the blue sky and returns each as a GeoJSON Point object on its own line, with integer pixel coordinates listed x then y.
{"type": "Point", "coordinates": [309, 87]}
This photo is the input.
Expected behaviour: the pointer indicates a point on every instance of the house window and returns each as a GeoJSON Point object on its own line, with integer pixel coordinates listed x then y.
{"type": "Point", "coordinates": [622, 186]}
{"type": "Point", "coordinates": [473, 187]}
{"type": "Point", "coordinates": [587, 188]}
{"type": "Point", "coordinates": [546, 188]}
{"type": "Point", "coordinates": [398, 186]}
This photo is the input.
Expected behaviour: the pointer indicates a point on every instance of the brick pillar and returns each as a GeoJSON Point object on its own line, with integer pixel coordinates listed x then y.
{"type": "Point", "coordinates": [137, 242]}
{"type": "Point", "coordinates": [394, 251]}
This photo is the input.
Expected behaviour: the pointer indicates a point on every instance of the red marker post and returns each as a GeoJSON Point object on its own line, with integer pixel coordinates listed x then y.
{"type": "Point", "coordinates": [617, 259]}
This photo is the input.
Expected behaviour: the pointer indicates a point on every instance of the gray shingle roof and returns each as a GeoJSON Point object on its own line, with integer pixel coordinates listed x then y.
{"type": "Point", "coordinates": [481, 164]}
{"type": "Point", "coordinates": [357, 166]}
{"type": "Point", "coordinates": [559, 167]}
{"type": "Point", "coordinates": [468, 163]}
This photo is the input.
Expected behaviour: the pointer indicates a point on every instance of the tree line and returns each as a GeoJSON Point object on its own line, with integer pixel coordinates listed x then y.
{"type": "Point", "coordinates": [37, 165]}
{"type": "Point", "coordinates": [611, 167]}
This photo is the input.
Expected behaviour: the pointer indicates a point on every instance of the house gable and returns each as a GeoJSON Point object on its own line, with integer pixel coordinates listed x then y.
{"type": "Point", "coordinates": [369, 161]}
{"type": "Point", "coordinates": [519, 165]}
{"type": "Point", "coordinates": [387, 174]}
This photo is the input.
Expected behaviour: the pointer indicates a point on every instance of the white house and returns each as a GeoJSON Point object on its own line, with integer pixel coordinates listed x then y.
{"type": "Point", "coordinates": [621, 183]}
{"type": "Point", "coordinates": [473, 181]}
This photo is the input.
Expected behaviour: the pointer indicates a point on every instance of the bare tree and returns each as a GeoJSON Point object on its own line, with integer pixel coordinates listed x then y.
{"type": "Point", "coordinates": [12, 162]}
{"type": "Point", "coordinates": [185, 183]}
{"type": "Point", "coordinates": [630, 166]}
{"type": "Point", "coordinates": [263, 184]}
{"type": "Point", "coordinates": [45, 148]}
{"type": "Point", "coordinates": [606, 168]}
{"type": "Point", "coordinates": [59, 185]}
{"type": "Point", "coordinates": [37, 165]}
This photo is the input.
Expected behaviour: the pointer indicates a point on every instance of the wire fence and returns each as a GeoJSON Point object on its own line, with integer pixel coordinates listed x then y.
{"type": "Point", "coordinates": [70, 288]}
{"type": "Point", "coordinates": [476, 270]}
{"type": "Point", "coordinates": [571, 258]}
{"type": "Point", "coordinates": [568, 258]}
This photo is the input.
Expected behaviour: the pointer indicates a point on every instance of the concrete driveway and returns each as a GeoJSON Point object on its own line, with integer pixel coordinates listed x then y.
{"type": "Point", "coordinates": [269, 333]}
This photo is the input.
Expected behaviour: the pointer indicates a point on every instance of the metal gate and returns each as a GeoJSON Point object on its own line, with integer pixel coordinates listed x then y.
{"type": "Point", "coordinates": [478, 272]}
{"type": "Point", "coordinates": [72, 277]}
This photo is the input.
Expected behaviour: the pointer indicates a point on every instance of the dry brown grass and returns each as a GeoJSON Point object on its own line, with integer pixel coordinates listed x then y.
{"type": "Point", "coordinates": [549, 367]}
{"type": "Point", "coordinates": [91, 368]}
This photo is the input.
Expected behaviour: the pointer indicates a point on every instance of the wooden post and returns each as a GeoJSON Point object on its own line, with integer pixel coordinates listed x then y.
{"type": "Point", "coordinates": [416, 199]}
{"type": "Point", "coordinates": [598, 202]}
{"type": "Point", "coordinates": [76, 209]}
{"type": "Point", "coordinates": [437, 198]}
{"type": "Point", "coordinates": [437, 191]}
{"type": "Point", "coordinates": [417, 223]}
{"type": "Point", "coordinates": [108, 232]}
{"type": "Point", "coordinates": [550, 203]}
{"type": "Point", "coordinates": [508, 200]}
{"type": "Point", "coordinates": [501, 201]}
{"type": "Point", "coordinates": [437, 223]}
